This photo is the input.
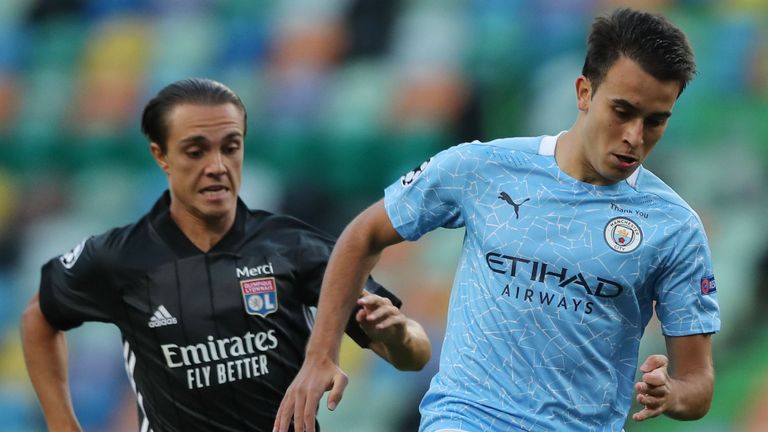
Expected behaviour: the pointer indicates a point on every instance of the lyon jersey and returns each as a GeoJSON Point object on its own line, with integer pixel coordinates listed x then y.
{"type": "Point", "coordinates": [211, 340]}
{"type": "Point", "coordinates": [556, 282]}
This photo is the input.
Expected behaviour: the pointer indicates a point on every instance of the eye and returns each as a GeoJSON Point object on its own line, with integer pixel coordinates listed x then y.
{"type": "Point", "coordinates": [232, 148]}
{"type": "Point", "coordinates": [622, 114]}
{"type": "Point", "coordinates": [655, 121]}
{"type": "Point", "coordinates": [194, 153]}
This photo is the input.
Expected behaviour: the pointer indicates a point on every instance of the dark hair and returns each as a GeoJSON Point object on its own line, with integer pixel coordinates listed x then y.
{"type": "Point", "coordinates": [197, 91]}
{"type": "Point", "coordinates": [657, 45]}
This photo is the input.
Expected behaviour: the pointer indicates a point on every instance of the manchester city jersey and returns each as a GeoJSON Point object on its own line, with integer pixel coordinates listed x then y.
{"type": "Point", "coordinates": [556, 282]}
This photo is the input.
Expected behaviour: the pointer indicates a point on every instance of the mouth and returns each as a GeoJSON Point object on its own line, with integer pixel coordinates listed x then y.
{"type": "Point", "coordinates": [627, 161]}
{"type": "Point", "coordinates": [214, 191]}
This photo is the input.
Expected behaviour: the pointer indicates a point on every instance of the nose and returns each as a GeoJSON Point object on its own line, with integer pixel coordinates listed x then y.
{"type": "Point", "coordinates": [633, 133]}
{"type": "Point", "coordinates": [215, 165]}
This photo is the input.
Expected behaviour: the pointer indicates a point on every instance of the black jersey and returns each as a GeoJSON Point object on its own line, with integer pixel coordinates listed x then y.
{"type": "Point", "coordinates": [211, 340]}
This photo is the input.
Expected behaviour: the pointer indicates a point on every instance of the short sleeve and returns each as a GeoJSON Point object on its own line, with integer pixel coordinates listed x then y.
{"type": "Point", "coordinates": [429, 196]}
{"type": "Point", "coordinates": [72, 288]}
{"type": "Point", "coordinates": [686, 292]}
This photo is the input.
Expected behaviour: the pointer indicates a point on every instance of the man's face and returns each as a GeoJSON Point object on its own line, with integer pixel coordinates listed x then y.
{"type": "Point", "coordinates": [204, 160]}
{"type": "Point", "coordinates": [624, 119]}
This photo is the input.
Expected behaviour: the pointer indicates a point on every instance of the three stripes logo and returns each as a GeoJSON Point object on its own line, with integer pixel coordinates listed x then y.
{"type": "Point", "coordinates": [161, 318]}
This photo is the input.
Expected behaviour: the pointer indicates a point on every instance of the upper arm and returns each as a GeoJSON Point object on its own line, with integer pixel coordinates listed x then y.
{"type": "Point", "coordinates": [690, 355]}
{"type": "Point", "coordinates": [374, 224]}
{"type": "Point", "coordinates": [685, 288]}
{"type": "Point", "coordinates": [73, 288]}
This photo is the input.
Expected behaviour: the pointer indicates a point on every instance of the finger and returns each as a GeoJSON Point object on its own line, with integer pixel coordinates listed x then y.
{"type": "Point", "coordinates": [360, 316]}
{"type": "Point", "coordinates": [645, 414]}
{"type": "Point", "coordinates": [284, 413]}
{"type": "Point", "coordinates": [655, 378]}
{"type": "Point", "coordinates": [337, 391]}
{"type": "Point", "coordinates": [298, 414]}
{"type": "Point", "coordinates": [650, 402]}
{"type": "Point", "coordinates": [390, 322]}
{"type": "Point", "coordinates": [384, 312]}
{"type": "Point", "coordinates": [641, 387]}
{"type": "Point", "coordinates": [310, 410]}
{"type": "Point", "coordinates": [654, 361]}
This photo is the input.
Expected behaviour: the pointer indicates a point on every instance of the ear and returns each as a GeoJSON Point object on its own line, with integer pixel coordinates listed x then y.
{"type": "Point", "coordinates": [160, 157]}
{"type": "Point", "coordinates": [583, 93]}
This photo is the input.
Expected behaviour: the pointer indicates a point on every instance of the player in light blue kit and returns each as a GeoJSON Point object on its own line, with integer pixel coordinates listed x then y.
{"type": "Point", "coordinates": [570, 244]}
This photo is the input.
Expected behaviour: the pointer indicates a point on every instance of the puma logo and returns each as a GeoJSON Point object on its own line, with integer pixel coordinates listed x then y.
{"type": "Point", "coordinates": [505, 196]}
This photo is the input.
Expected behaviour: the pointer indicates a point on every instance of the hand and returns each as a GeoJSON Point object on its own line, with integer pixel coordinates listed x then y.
{"type": "Point", "coordinates": [654, 390]}
{"type": "Point", "coordinates": [381, 320]}
{"type": "Point", "coordinates": [303, 395]}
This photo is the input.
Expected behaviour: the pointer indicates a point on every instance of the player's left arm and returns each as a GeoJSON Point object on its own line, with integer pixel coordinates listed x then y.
{"type": "Point", "coordinates": [394, 337]}
{"type": "Point", "coordinates": [680, 386]}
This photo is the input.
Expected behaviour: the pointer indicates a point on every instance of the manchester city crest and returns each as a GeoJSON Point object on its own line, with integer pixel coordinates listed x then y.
{"type": "Point", "coordinates": [259, 296]}
{"type": "Point", "coordinates": [623, 235]}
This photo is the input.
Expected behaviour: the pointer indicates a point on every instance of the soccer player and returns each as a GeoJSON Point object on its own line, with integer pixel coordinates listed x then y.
{"type": "Point", "coordinates": [212, 299]}
{"type": "Point", "coordinates": [570, 244]}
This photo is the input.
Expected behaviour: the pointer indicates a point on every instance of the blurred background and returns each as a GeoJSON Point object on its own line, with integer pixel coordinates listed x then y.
{"type": "Point", "coordinates": [344, 96]}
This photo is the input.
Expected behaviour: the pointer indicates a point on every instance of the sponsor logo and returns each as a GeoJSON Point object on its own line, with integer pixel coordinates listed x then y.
{"type": "Point", "coordinates": [708, 285]}
{"type": "Point", "coordinates": [69, 259]}
{"type": "Point", "coordinates": [538, 271]}
{"type": "Point", "coordinates": [505, 196]}
{"type": "Point", "coordinates": [246, 271]}
{"type": "Point", "coordinates": [162, 318]}
{"type": "Point", "coordinates": [259, 296]}
{"type": "Point", "coordinates": [223, 360]}
{"type": "Point", "coordinates": [622, 235]}
{"type": "Point", "coordinates": [218, 349]}
{"type": "Point", "coordinates": [415, 173]}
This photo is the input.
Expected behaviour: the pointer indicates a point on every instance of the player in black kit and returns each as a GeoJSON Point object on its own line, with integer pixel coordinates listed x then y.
{"type": "Point", "coordinates": [213, 299]}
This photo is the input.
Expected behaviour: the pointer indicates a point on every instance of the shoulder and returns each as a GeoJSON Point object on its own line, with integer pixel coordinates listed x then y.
{"type": "Point", "coordinates": [283, 226]}
{"type": "Point", "coordinates": [657, 190]}
{"type": "Point", "coordinates": [507, 151]}
{"type": "Point", "coordinates": [523, 145]}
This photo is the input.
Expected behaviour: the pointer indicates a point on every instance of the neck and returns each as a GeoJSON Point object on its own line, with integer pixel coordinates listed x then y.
{"type": "Point", "coordinates": [571, 158]}
{"type": "Point", "coordinates": [203, 233]}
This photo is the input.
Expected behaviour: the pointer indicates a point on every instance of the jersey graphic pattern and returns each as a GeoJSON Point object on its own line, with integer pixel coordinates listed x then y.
{"type": "Point", "coordinates": [547, 310]}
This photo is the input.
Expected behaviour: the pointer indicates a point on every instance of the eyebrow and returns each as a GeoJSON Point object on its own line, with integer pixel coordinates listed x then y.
{"type": "Point", "coordinates": [201, 139]}
{"type": "Point", "coordinates": [623, 103]}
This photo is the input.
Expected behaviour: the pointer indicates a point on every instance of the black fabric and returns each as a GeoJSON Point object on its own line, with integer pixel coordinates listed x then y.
{"type": "Point", "coordinates": [212, 340]}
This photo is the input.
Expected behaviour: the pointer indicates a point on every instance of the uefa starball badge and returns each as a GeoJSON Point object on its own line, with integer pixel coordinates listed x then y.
{"type": "Point", "coordinates": [259, 296]}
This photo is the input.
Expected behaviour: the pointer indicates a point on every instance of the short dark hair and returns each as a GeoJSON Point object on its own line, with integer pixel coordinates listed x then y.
{"type": "Point", "coordinates": [657, 45]}
{"type": "Point", "coordinates": [196, 91]}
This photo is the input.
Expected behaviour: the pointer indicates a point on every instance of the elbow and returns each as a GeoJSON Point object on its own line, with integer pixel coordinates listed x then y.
{"type": "Point", "coordinates": [33, 322]}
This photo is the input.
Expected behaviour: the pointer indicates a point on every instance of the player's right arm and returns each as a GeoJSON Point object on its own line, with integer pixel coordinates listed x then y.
{"type": "Point", "coordinates": [356, 253]}
{"type": "Point", "coordinates": [45, 354]}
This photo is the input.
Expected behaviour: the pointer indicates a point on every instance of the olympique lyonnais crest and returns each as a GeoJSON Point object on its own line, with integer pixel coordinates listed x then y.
{"type": "Point", "coordinates": [259, 296]}
{"type": "Point", "coordinates": [623, 235]}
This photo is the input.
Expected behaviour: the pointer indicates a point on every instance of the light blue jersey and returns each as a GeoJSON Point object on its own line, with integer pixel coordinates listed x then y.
{"type": "Point", "coordinates": [555, 285]}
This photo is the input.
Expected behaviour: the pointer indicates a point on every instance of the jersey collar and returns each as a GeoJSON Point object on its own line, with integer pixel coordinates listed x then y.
{"type": "Point", "coordinates": [162, 223]}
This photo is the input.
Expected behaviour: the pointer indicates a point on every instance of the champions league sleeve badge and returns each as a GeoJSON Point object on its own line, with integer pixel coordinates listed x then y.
{"type": "Point", "coordinates": [623, 235]}
{"type": "Point", "coordinates": [259, 296]}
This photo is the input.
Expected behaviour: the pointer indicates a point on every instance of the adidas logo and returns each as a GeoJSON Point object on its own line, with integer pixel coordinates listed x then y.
{"type": "Point", "coordinates": [162, 318]}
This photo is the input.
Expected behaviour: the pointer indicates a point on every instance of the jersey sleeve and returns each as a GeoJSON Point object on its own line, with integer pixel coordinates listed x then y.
{"type": "Point", "coordinates": [315, 250]}
{"type": "Point", "coordinates": [686, 292]}
{"type": "Point", "coordinates": [429, 196]}
{"type": "Point", "coordinates": [72, 287]}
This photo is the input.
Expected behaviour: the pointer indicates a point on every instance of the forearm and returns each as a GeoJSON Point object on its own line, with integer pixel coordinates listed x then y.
{"type": "Point", "coordinates": [692, 394]}
{"type": "Point", "coordinates": [411, 354]}
{"type": "Point", "coordinates": [45, 355]}
{"type": "Point", "coordinates": [350, 264]}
